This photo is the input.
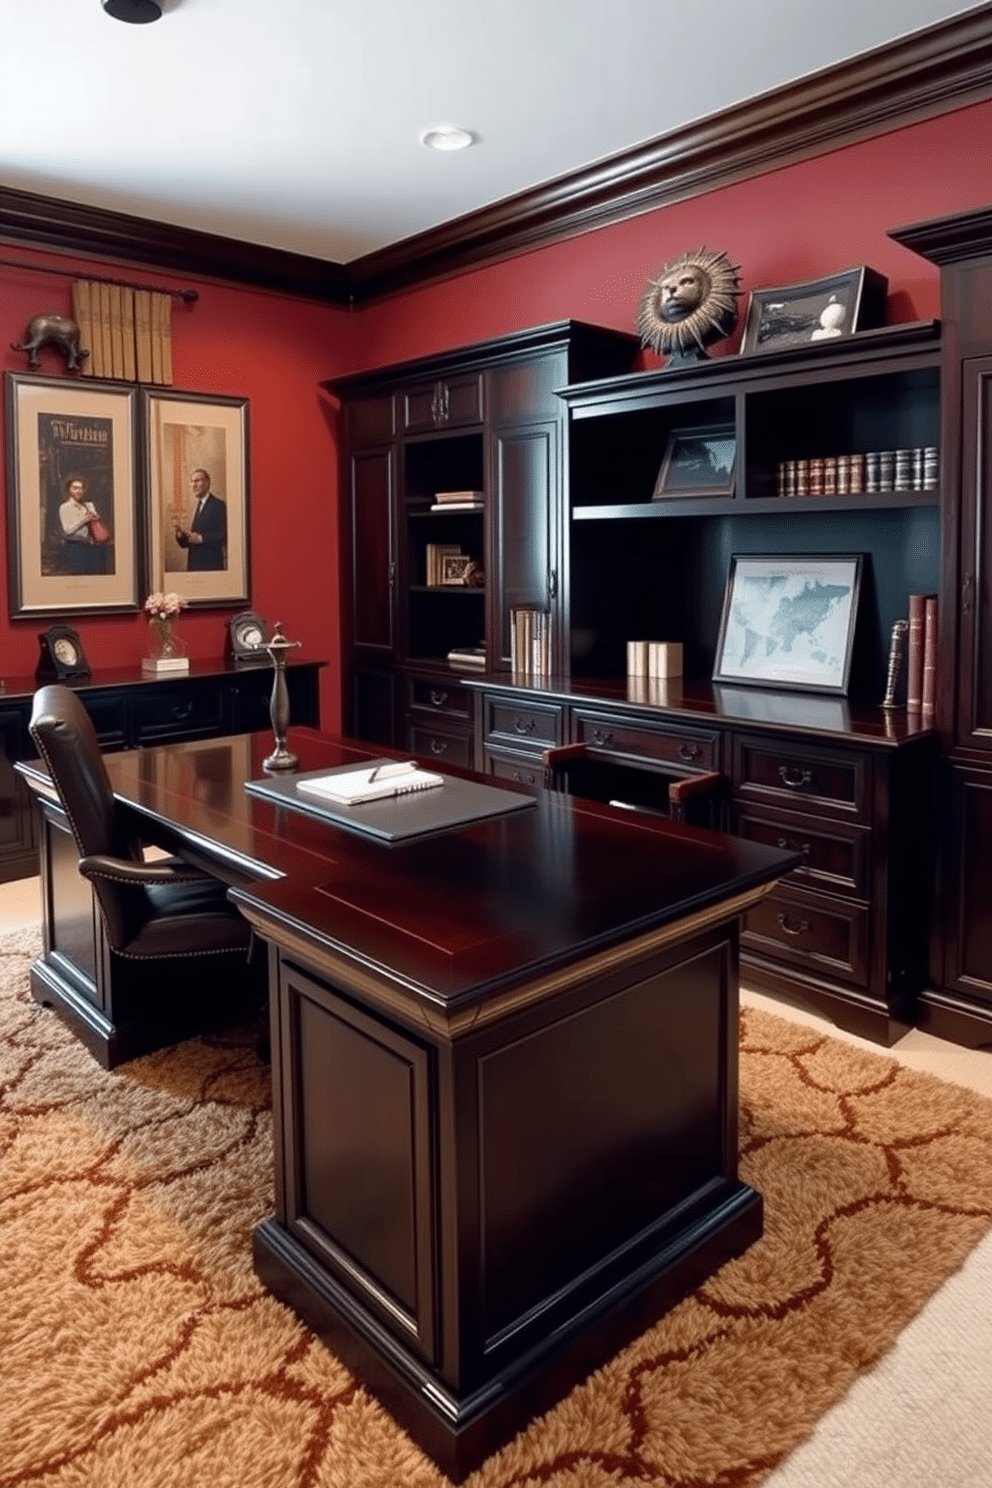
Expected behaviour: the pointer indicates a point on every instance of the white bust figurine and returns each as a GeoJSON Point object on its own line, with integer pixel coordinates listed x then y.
{"type": "Point", "coordinates": [832, 317]}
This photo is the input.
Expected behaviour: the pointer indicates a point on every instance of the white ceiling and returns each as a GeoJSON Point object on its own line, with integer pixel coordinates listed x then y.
{"type": "Point", "coordinates": [296, 123]}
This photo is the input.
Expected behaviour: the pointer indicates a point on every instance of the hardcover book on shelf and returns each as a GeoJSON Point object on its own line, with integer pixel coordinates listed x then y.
{"type": "Point", "coordinates": [928, 690]}
{"type": "Point", "coordinates": [530, 641]}
{"type": "Point", "coordinates": [915, 646]}
{"type": "Point", "coordinates": [468, 656]}
{"type": "Point", "coordinates": [458, 501]}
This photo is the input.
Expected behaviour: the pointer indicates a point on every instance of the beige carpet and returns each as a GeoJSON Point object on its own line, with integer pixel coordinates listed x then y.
{"type": "Point", "coordinates": [137, 1349]}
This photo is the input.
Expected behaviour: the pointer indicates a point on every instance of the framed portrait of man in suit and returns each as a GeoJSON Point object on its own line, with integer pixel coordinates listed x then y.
{"type": "Point", "coordinates": [197, 480]}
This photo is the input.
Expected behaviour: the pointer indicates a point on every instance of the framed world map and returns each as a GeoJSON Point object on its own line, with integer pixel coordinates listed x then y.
{"type": "Point", "coordinates": [788, 622]}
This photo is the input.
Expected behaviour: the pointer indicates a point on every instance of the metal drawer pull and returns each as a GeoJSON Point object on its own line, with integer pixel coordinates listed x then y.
{"type": "Point", "coordinates": [438, 746]}
{"type": "Point", "coordinates": [799, 847]}
{"type": "Point", "coordinates": [689, 751]}
{"type": "Point", "coordinates": [523, 725]}
{"type": "Point", "coordinates": [787, 929]}
{"type": "Point", "coordinates": [182, 710]}
{"type": "Point", "coordinates": [521, 778]}
{"type": "Point", "coordinates": [438, 697]}
{"type": "Point", "coordinates": [601, 736]}
{"type": "Point", "coordinates": [794, 778]}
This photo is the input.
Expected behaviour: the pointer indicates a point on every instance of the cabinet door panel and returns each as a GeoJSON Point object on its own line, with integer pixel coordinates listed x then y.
{"type": "Point", "coordinates": [372, 549]}
{"type": "Point", "coordinates": [968, 905]}
{"type": "Point", "coordinates": [975, 706]}
{"type": "Point", "coordinates": [524, 547]}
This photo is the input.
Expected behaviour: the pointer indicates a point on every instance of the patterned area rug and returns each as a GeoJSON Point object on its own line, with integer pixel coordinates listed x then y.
{"type": "Point", "coordinates": [137, 1349]}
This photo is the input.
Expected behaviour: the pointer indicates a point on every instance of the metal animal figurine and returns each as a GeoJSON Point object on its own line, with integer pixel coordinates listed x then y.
{"type": "Point", "coordinates": [52, 329]}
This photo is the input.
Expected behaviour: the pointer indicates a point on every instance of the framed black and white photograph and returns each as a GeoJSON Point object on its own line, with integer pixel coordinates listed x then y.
{"type": "Point", "coordinates": [699, 461]}
{"type": "Point", "coordinates": [819, 311]}
{"type": "Point", "coordinates": [788, 622]}
{"type": "Point", "coordinates": [196, 455]}
{"type": "Point", "coordinates": [72, 509]}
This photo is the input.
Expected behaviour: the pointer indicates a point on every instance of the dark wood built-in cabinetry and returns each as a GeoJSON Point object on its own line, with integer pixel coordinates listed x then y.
{"type": "Point", "coordinates": [568, 466]}
{"type": "Point", "coordinates": [484, 419]}
{"type": "Point", "coordinates": [958, 1003]}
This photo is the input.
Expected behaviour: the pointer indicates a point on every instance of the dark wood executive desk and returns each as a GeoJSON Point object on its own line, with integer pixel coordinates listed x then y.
{"type": "Point", "coordinates": [504, 1065]}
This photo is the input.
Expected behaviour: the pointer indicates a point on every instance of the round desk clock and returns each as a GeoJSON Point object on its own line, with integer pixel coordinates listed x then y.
{"type": "Point", "coordinates": [249, 638]}
{"type": "Point", "coordinates": [62, 655]}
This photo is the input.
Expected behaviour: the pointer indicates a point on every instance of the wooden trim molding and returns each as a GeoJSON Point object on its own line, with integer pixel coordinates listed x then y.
{"type": "Point", "coordinates": [70, 227]}
{"type": "Point", "coordinates": [933, 71]}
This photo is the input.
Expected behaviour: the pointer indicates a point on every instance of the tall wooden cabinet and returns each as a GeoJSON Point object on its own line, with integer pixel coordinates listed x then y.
{"type": "Point", "coordinates": [958, 1004]}
{"type": "Point", "coordinates": [565, 442]}
{"type": "Point", "coordinates": [483, 419]}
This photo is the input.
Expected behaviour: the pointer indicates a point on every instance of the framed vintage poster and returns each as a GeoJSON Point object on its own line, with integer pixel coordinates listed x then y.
{"type": "Point", "coordinates": [789, 621]}
{"type": "Point", "coordinates": [698, 461]}
{"type": "Point", "coordinates": [196, 456]}
{"type": "Point", "coordinates": [72, 514]}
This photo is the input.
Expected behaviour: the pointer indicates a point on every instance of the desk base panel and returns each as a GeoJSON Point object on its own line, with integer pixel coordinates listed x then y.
{"type": "Point", "coordinates": [460, 1432]}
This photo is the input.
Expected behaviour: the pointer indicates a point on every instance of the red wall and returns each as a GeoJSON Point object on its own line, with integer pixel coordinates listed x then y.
{"type": "Point", "coordinates": [273, 351]}
{"type": "Point", "coordinates": [793, 224]}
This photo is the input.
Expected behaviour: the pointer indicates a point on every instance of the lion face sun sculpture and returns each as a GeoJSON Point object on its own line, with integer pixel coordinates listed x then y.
{"type": "Point", "coordinates": [692, 303]}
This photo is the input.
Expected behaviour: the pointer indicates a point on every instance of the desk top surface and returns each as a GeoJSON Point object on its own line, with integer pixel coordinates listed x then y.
{"type": "Point", "coordinates": [450, 917]}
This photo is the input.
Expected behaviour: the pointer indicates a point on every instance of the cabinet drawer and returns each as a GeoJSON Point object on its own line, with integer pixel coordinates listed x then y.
{"type": "Point", "coordinates": [521, 721]}
{"type": "Point", "coordinates": [809, 930]}
{"type": "Point", "coordinates": [835, 854]}
{"type": "Point", "coordinates": [449, 403]}
{"type": "Point", "coordinates": [685, 749]}
{"type": "Point", "coordinates": [443, 745]}
{"type": "Point", "coordinates": [181, 711]}
{"type": "Point", "coordinates": [446, 699]}
{"type": "Point", "coordinates": [832, 781]}
{"type": "Point", "coordinates": [517, 767]}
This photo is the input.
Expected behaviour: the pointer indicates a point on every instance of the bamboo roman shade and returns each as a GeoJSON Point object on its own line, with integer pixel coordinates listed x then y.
{"type": "Point", "coordinates": [127, 332]}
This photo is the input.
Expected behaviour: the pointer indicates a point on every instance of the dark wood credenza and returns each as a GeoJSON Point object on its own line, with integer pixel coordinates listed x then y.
{"type": "Point", "coordinates": [130, 711]}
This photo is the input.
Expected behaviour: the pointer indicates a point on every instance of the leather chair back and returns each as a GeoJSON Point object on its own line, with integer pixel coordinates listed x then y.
{"type": "Point", "coordinates": [66, 740]}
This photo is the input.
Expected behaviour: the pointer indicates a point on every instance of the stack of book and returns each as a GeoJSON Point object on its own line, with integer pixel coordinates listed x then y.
{"type": "Point", "coordinates": [921, 671]}
{"type": "Point", "coordinates": [447, 501]}
{"type": "Point", "coordinates": [530, 641]}
{"type": "Point", "coordinates": [473, 657]}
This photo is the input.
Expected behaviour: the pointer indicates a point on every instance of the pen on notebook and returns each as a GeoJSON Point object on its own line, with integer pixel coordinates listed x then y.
{"type": "Point", "coordinates": [373, 773]}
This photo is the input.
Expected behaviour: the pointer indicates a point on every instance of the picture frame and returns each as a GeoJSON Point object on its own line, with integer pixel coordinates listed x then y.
{"type": "Point", "coordinates": [699, 461]}
{"type": "Point", "coordinates": [815, 313]}
{"type": "Point", "coordinates": [788, 621]}
{"type": "Point", "coordinates": [456, 568]}
{"type": "Point", "coordinates": [73, 515]}
{"type": "Point", "coordinates": [204, 558]}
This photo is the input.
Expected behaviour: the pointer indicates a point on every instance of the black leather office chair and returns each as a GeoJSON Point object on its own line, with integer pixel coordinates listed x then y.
{"type": "Point", "coordinates": [176, 956]}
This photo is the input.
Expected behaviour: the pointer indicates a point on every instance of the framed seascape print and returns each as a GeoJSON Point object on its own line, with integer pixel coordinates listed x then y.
{"type": "Point", "coordinates": [814, 313]}
{"type": "Point", "coordinates": [196, 454]}
{"type": "Point", "coordinates": [698, 462]}
{"type": "Point", "coordinates": [72, 519]}
{"type": "Point", "coordinates": [789, 622]}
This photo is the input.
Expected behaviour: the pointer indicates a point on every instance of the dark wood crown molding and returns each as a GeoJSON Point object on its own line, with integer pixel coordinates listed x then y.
{"type": "Point", "coordinates": [947, 66]}
{"type": "Point", "coordinates": [70, 227]}
{"type": "Point", "coordinates": [947, 240]}
{"type": "Point", "coordinates": [943, 67]}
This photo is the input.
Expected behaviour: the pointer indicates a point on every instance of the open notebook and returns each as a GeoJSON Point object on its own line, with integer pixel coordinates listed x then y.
{"type": "Point", "coordinates": [375, 783]}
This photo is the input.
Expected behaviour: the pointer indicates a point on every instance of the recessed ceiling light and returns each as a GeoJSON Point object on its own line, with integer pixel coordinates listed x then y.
{"type": "Point", "coordinates": [447, 137]}
{"type": "Point", "coordinates": [138, 12]}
